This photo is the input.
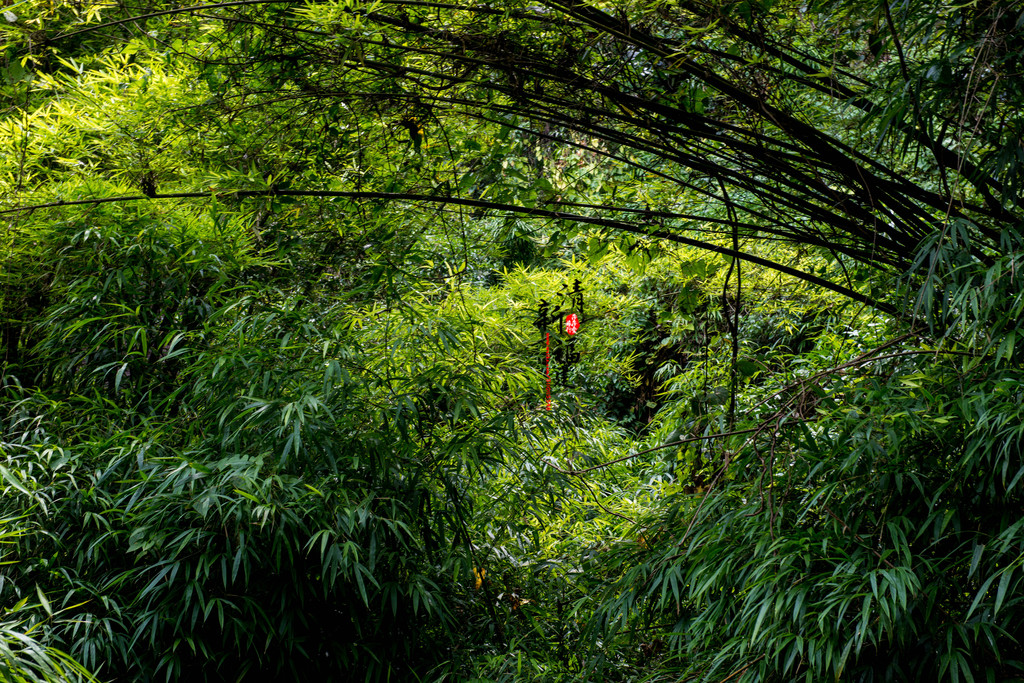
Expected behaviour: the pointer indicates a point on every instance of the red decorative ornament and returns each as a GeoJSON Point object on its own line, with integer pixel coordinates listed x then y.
{"type": "Point", "coordinates": [572, 323]}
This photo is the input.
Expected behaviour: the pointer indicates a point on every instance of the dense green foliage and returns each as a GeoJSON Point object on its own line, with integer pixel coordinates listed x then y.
{"type": "Point", "coordinates": [273, 394]}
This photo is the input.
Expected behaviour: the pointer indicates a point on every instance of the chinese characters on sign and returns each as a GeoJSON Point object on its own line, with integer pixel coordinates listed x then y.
{"type": "Point", "coordinates": [566, 315]}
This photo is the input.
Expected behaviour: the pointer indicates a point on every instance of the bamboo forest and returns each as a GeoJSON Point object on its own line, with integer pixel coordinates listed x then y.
{"type": "Point", "coordinates": [512, 340]}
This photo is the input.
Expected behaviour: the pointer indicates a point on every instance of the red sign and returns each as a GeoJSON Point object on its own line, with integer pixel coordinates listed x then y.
{"type": "Point", "coordinates": [572, 324]}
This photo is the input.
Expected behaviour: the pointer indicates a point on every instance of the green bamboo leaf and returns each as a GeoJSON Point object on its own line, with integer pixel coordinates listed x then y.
{"type": "Point", "coordinates": [760, 618]}
{"type": "Point", "coordinates": [248, 496]}
{"type": "Point", "coordinates": [980, 595]}
{"type": "Point", "coordinates": [1004, 584]}
{"type": "Point", "coordinates": [43, 601]}
{"type": "Point", "coordinates": [979, 548]}
{"type": "Point", "coordinates": [13, 481]}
